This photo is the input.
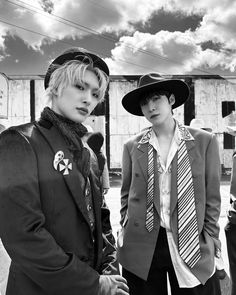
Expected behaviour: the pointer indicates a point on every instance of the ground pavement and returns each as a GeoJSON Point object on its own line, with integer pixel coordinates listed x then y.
{"type": "Point", "coordinates": [113, 202]}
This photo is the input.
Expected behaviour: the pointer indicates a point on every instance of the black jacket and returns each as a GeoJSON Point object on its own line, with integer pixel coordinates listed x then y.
{"type": "Point", "coordinates": [44, 223]}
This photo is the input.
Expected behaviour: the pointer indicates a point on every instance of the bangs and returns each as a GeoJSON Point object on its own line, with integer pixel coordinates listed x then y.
{"type": "Point", "coordinates": [73, 73]}
{"type": "Point", "coordinates": [154, 95]}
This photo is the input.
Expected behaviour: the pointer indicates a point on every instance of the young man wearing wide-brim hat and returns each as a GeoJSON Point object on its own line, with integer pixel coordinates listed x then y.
{"type": "Point", "coordinates": [53, 220]}
{"type": "Point", "coordinates": [170, 197]}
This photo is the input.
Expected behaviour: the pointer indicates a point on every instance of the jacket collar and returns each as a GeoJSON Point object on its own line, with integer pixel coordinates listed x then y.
{"type": "Point", "coordinates": [182, 133]}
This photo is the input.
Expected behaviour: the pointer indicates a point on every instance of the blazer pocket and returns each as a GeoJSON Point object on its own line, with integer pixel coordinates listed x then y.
{"type": "Point", "coordinates": [208, 240]}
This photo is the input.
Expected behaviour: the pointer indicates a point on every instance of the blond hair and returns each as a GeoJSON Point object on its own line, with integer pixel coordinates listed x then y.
{"type": "Point", "coordinates": [72, 73]}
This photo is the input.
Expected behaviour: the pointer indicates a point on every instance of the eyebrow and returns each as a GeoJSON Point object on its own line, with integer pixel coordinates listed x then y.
{"type": "Point", "coordinates": [88, 84]}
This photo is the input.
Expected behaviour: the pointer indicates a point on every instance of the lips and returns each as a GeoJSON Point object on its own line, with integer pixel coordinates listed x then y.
{"type": "Point", "coordinates": [153, 116]}
{"type": "Point", "coordinates": [82, 110]}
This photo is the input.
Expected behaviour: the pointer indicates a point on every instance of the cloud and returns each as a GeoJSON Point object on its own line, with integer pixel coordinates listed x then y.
{"type": "Point", "coordinates": [91, 17]}
{"type": "Point", "coordinates": [47, 5]}
{"type": "Point", "coordinates": [3, 32]}
{"type": "Point", "coordinates": [75, 18]}
{"type": "Point", "coordinates": [219, 25]}
{"type": "Point", "coordinates": [165, 52]}
{"type": "Point", "coordinates": [136, 52]}
{"type": "Point", "coordinates": [197, 6]}
{"type": "Point", "coordinates": [15, 19]}
{"type": "Point", "coordinates": [178, 52]}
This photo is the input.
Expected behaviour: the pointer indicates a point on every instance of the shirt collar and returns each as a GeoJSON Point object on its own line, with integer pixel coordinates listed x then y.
{"type": "Point", "coordinates": [181, 133]}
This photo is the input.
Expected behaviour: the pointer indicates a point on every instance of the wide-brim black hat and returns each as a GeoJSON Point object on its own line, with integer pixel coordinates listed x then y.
{"type": "Point", "coordinates": [154, 82]}
{"type": "Point", "coordinates": [75, 53]}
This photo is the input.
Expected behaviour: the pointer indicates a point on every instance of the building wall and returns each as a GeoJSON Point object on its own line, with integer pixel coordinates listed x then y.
{"type": "Point", "coordinates": [118, 125]}
{"type": "Point", "coordinates": [18, 103]}
{"type": "Point", "coordinates": [209, 95]}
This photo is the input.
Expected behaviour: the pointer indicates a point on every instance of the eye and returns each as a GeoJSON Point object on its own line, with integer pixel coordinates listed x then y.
{"type": "Point", "coordinates": [155, 98]}
{"type": "Point", "coordinates": [80, 87]}
{"type": "Point", "coordinates": [96, 94]}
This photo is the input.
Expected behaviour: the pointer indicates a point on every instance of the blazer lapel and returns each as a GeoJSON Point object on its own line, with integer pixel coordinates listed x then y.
{"type": "Point", "coordinates": [142, 151]}
{"type": "Point", "coordinates": [57, 143]}
{"type": "Point", "coordinates": [142, 158]}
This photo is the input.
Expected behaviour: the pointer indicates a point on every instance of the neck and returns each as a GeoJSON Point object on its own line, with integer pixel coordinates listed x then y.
{"type": "Point", "coordinates": [166, 129]}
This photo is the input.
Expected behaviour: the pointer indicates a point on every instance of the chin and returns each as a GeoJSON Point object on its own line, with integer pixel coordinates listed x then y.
{"type": "Point", "coordinates": [81, 119]}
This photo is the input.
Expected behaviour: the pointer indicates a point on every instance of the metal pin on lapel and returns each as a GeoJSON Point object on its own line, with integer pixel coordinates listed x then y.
{"type": "Point", "coordinates": [64, 165]}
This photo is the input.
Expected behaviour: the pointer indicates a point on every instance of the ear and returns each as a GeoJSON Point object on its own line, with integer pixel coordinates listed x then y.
{"type": "Point", "coordinates": [52, 101]}
{"type": "Point", "coordinates": [172, 99]}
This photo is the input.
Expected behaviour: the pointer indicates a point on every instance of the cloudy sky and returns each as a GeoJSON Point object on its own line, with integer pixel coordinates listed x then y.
{"type": "Point", "coordinates": [135, 37]}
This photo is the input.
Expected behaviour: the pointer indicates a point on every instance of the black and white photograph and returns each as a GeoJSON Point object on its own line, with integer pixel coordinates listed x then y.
{"type": "Point", "coordinates": [117, 147]}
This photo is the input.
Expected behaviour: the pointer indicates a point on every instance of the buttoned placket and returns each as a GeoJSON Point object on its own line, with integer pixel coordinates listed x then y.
{"type": "Point", "coordinates": [89, 204]}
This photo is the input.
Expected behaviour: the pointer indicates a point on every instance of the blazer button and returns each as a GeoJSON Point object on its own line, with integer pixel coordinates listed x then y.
{"type": "Point", "coordinates": [136, 223]}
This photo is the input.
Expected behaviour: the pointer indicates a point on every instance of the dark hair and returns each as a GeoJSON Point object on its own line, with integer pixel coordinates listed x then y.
{"type": "Point", "coordinates": [95, 141]}
{"type": "Point", "coordinates": [154, 95]}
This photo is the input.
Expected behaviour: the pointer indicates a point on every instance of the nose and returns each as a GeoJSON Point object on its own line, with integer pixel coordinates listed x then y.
{"type": "Point", "coordinates": [87, 97]}
{"type": "Point", "coordinates": [151, 106]}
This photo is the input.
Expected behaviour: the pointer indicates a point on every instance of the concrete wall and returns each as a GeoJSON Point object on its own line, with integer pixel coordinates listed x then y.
{"type": "Point", "coordinates": [208, 93]}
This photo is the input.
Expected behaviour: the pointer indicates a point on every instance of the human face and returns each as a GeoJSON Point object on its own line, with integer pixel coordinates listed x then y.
{"type": "Point", "coordinates": [76, 102]}
{"type": "Point", "coordinates": [158, 109]}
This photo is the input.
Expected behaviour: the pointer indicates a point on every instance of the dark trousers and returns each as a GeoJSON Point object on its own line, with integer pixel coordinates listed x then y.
{"type": "Point", "coordinates": [230, 233]}
{"type": "Point", "coordinates": [156, 283]}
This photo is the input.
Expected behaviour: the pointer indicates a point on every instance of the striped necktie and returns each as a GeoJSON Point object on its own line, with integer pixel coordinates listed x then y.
{"type": "Point", "coordinates": [189, 247]}
{"type": "Point", "coordinates": [150, 190]}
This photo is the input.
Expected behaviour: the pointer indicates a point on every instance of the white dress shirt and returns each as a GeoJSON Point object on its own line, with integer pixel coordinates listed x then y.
{"type": "Point", "coordinates": [185, 277]}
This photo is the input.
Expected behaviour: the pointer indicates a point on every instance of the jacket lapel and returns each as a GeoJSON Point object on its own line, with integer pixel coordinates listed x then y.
{"type": "Point", "coordinates": [142, 151]}
{"type": "Point", "coordinates": [57, 143]}
{"type": "Point", "coordinates": [142, 158]}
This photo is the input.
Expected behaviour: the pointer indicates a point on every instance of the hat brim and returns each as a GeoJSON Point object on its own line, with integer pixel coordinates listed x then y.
{"type": "Point", "coordinates": [75, 55]}
{"type": "Point", "coordinates": [131, 101]}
